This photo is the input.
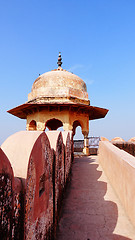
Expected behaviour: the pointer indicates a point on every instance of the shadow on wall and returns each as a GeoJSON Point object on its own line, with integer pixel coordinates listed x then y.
{"type": "Point", "coordinates": [41, 169]}
{"type": "Point", "coordinates": [85, 214]}
{"type": "Point", "coordinates": [11, 202]}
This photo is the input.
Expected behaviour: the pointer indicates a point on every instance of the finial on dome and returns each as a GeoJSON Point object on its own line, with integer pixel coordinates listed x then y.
{"type": "Point", "coordinates": [59, 60]}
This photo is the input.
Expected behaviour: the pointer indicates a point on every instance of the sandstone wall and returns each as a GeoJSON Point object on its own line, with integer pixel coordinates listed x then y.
{"type": "Point", "coordinates": [119, 167]}
{"type": "Point", "coordinates": [11, 202]}
{"type": "Point", "coordinates": [56, 142]}
{"type": "Point", "coordinates": [32, 189]}
{"type": "Point", "coordinates": [129, 147]}
{"type": "Point", "coordinates": [67, 136]}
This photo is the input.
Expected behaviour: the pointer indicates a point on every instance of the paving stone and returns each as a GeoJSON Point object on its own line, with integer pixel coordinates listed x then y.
{"type": "Point", "coordinates": [91, 209]}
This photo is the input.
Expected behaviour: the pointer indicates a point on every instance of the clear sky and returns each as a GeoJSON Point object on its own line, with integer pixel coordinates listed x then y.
{"type": "Point", "coordinates": [97, 42]}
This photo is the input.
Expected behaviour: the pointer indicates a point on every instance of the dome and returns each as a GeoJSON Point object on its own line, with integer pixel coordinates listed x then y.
{"type": "Point", "coordinates": [54, 93]}
{"type": "Point", "coordinates": [59, 86]}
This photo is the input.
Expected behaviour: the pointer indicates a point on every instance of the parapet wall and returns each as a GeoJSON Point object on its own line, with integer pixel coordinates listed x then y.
{"type": "Point", "coordinates": [34, 170]}
{"type": "Point", "coordinates": [119, 167]}
{"type": "Point", "coordinates": [129, 147]}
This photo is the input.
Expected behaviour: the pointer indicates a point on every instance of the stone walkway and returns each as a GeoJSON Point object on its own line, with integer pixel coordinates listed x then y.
{"type": "Point", "coordinates": [91, 210]}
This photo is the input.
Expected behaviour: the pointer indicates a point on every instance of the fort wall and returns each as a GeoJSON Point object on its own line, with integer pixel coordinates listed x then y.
{"type": "Point", "coordinates": [119, 167]}
{"type": "Point", "coordinates": [129, 147]}
{"type": "Point", "coordinates": [34, 169]}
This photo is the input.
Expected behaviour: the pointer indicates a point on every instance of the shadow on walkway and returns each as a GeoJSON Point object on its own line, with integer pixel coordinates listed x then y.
{"type": "Point", "coordinates": [85, 214]}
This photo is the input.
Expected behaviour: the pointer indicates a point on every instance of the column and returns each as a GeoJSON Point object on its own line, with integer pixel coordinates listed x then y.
{"type": "Point", "coordinates": [40, 126]}
{"type": "Point", "coordinates": [67, 127]}
{"type": "Point", "coordinates": [86, 143]}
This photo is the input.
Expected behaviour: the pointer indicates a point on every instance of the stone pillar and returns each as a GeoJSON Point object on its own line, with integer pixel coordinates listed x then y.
{"type": "Point", "coordinates": [40, 126]}
{"type": "Point", "coordinates": [86, 143]}
{"type": "Point", "coordinates": [67, 127]}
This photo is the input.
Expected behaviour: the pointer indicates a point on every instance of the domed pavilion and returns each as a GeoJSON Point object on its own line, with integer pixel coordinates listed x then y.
{"type": "Point", "coordinates": [59, 98]}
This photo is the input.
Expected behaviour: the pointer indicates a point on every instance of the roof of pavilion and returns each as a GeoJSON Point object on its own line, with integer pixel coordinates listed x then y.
{"type": "Point", "coordinates": [23, 110]}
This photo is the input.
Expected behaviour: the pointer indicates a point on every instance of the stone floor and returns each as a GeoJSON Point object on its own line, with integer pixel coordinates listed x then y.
{"type": "Point", "coordinates": [91, 209]}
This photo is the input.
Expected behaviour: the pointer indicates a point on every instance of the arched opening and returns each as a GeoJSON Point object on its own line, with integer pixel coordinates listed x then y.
{"type": "Point", "coordinates": [78, 137]}
{"type": "Point", "coordinates": [46, 129]}
{"type": "Point", "coordinates": [53, 124]}
{"type": "Point", "coordinates": [60, 129]}
{"type": "Point", "coordinates": [32, 125]}
{"type": "Point", "coordinates": [78, 134]}
{"type": "Point", "coordinates": [75, 125]}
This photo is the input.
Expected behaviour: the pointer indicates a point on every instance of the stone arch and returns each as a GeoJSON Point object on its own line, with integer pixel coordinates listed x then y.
{"type": "Point", "coordinates": [85, 131]}
{"type": "Point", "coordinates": [53, 124]}
{"type": "Point", "coordinates": [76, 123]}
{"type": "Point", "coordinates": [32, 125]}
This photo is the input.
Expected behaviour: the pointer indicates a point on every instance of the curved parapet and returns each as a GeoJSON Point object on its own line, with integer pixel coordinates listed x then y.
{"type": "Point", "coordinates": [18, 217]}
{"type": "Point", "coordinates": [31, 157]}
{"type": "Point", "coordinates": [39, 191]}
{"type": "Point", "coordinates": [67, 140]}
{"type": "Point", "coordinates": [56, 142]}
{"type": "Point", "coordinates": [18, 148]}
{"type": "Point", "coordinates": [6, 197]}
{"type": "Point", "coordinates": [103, 139]}
{"type": "Point", "coordinates": [132, 140]}
{"type": "Point", "coordinates": [119, 142]}
{"type": "Point", "coordinates": [117, 139]}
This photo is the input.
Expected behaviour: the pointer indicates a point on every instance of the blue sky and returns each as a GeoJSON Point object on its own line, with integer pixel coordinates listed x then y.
{"type": "Point", "coordinates": [97, 42]}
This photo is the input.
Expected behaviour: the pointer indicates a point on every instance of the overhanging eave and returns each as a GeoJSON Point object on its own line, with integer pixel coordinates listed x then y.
{"type": "Point", "coordinates": [23, 110]}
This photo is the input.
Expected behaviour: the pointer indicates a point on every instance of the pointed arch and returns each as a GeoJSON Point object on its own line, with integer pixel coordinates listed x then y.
{"type": "Point", "coordinates": [75, 125]}
{"type": "Point", "coordinates": [53, 124]}
{"type": "Point", "coordinates": [32, 125]}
